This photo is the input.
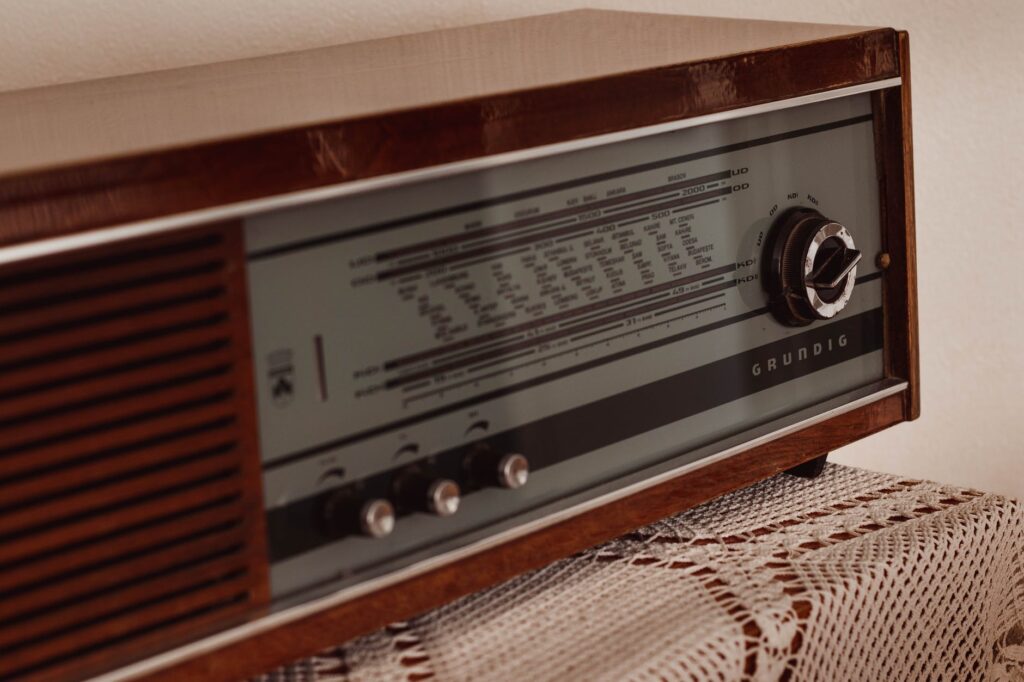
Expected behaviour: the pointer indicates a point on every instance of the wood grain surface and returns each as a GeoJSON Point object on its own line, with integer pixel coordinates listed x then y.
{"type": "Point", "coordinates": [183, 107]}
{"type": "Point", "coordinates": [699, 66]}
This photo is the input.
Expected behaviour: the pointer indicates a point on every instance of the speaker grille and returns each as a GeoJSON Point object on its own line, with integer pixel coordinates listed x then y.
{"type": "Point", "coordinates": [130, 514]}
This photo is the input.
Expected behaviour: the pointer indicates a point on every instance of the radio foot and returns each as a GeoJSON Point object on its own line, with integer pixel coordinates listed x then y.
{"type": "Point", "coordinates": [810, 469]}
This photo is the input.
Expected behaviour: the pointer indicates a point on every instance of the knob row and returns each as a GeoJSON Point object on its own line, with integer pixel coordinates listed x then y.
{"type": "Point", "coordinates": [344, 512]}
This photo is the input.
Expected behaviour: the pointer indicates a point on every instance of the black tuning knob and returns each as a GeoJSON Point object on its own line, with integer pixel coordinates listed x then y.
{"type": "Point", "coordinates": [810, 267]}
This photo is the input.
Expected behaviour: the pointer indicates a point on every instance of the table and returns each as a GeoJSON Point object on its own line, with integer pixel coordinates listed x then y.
{"type": "Point", "coordinates": [854, 575]}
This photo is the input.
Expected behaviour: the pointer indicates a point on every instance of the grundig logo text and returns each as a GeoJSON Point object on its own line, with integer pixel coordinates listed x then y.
{"type": "Point", "coordinates": [802, 353]}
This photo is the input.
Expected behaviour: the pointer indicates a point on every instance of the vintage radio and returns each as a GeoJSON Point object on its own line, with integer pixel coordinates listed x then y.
{"type": "Point", "coordinates": [297, 346]}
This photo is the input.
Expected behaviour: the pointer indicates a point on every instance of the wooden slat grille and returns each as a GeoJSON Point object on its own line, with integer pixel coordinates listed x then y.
{"type": "Point", "coordinates": [130, 514]}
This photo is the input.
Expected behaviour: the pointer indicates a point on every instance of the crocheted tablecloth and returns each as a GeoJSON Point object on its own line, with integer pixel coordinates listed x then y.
{"type": "Point", "coordinates": [854, 575]}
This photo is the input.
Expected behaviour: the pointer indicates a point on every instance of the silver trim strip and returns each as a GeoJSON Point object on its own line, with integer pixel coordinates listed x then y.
{"type": "Point", "coordinates": [46, 247]}
{"type": "Point", "coordinates": [284, 616]}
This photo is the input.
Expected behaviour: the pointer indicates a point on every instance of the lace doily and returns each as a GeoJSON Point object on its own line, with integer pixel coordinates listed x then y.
{"type": "Point", "coordinates": [852, 576]}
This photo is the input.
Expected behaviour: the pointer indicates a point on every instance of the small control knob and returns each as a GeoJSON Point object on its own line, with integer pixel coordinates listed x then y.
{"type": "Point", "coordinates": [810, 267]}
{"type": "Point", "coordinates": [513, 471]}
{"type": "Point", "coordinates": [420, 491]}
{"type": "Point", "coordinates": [377, 518]}
{"type": "Point", "coordinates": [343, 513]}
{"type": "Point", "coordinates": [490, 466]}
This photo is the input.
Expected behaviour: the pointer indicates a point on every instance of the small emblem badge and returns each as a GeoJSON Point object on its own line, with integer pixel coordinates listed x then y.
{"type": "Point", "coordinates": [281, 374]}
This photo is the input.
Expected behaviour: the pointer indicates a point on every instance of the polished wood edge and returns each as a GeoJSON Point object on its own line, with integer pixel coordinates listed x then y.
{"type": "Point", "coordinates": [109, 192]}
{"type": "Point", "coordinates": [910, 239]}
{"type": "Point", "coordinates": [285, 643]}
{"type": "Point", "coordinates": [89, 665]}
{"type": "Point", "coordinates": [245, 400]}
{"type": "Point", "coordinates": [894, 157]}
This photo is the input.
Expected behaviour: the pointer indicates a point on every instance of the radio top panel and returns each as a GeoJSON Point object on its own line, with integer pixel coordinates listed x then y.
{"type": "Point", "coordinates": [297, 346]}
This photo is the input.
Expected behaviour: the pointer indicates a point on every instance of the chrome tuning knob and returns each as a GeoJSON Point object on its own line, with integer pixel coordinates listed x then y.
{"type": "Point", "coordinates": [810, 267]}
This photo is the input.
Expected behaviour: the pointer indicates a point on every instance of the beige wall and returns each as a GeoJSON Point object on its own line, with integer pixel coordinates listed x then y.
{"type": "Point", "coordinates": [969, 143]}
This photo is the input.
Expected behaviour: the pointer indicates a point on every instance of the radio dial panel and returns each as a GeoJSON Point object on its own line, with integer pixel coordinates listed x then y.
{"type": "Point", "coordinates": [566, 321]}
